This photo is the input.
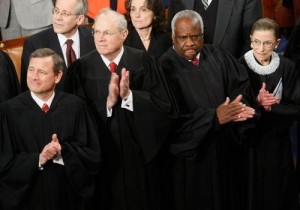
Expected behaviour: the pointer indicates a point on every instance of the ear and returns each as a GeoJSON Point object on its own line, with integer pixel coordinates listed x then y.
{"type": "Point", "coordinates": [58, 76]}
{"type": "Point", "coordinates": [277, 42]}
{"type": "Point", "coordinates": [124, 34]}
{"type": "Point", "coordinates": [80, 19]}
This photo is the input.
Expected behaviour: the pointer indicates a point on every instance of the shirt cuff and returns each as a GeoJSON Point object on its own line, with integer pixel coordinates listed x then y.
{"type": "Point", "coordinates": [128, 103]}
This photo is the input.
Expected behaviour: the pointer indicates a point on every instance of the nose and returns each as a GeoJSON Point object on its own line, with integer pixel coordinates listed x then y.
{"type": "Point", "coordinates": [137, 13]}
{"type": "Point", "coordinates": [189, 41]}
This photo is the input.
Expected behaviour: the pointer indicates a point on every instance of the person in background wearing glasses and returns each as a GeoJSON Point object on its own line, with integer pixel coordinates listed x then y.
{"type": "Point", "coordinates": [275, 83]}
{"type": "Point", "coordinates": [126, 90]}
{"type": "Point", "coordinates": [67, 17]}
{"type": "Point", "coordinates": [147, 26]}
{"type": "Point", "coordinates": [213, 97]}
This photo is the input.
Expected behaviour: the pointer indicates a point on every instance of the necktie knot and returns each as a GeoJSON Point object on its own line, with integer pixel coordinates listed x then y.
{"type": "Point", "coordinates": [113, 67]}
{"type": "Point", "coordinates": [70, 54]}
{"type": "Point", "coordinates": [45, 108]}
{"type": "Point", "coordinates": [195, 61]}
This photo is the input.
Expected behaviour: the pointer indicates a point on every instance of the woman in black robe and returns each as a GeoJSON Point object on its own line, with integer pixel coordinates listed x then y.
{"type": "Point", "coordinates": [274, 81]}
{"type": "Point", "coordinates": [9, 83]}
{"type": "Point", "coordinates": [147, 26]}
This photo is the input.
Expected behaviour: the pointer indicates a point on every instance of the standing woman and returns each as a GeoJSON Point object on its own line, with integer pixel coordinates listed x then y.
{"type": "Point", "coordinates": [275, 83]}
{"type": "Point", "coordinates": [147, 26]}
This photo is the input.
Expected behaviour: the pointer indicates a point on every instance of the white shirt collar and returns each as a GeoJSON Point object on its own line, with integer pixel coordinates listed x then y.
{"type": "Point", "coordinates": [116, 60]}
{"type": "Point", "coordinates": [41, 102]}
{"type": "Point", "coordinates": [76, 43]}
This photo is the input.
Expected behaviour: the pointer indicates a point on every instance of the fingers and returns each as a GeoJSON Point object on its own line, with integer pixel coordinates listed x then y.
{"type": "Point", "coordinates": [124, 84]}
{"type": "Point", "coordinates": [237, 99]}
{"type": "Point", "coordinates": [263, 87]}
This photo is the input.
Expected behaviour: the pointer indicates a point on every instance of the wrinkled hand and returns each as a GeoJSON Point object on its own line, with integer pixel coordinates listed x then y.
{"type": "Point", "coordinates": [234, 111]}
{"type": "Point", "coordinates": [50, 151]}
{"type": "Point", "coordinates": [113, 91]}
{"type": "Point", "coordinates": [265, 98]}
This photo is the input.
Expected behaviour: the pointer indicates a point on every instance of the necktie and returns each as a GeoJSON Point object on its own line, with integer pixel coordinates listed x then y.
{"type": "Point", "coordinates": [113, 67]}
{"type": "Point", "coordinates": [195, 61]}
{"type": "Point", "coordinates": [70, 52]}
{"type": "Point", "coordinates": [205, 4]}
{"type": "Point", "coordinates": [45, 108]}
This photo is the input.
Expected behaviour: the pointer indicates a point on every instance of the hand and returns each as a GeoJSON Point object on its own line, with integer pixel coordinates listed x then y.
{"type": "Point", "coordinates": [124, 84]}
{"type": "Point", "coordinates": [113, 91]}
{"type": "Point", "coordinates": [50, 150]}
{"type": "Point", "coordinates": [265, 98]}
{"type": "Point", "coordinates": [232, 111]}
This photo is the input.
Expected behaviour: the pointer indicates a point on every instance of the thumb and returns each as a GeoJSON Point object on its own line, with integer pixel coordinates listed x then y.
{"type": "Point", "coordinates": [226, 101]}
{"type": "Point", "coordinates": [54, 138]}
{"type": "Point", "coordinates": [263, 87]}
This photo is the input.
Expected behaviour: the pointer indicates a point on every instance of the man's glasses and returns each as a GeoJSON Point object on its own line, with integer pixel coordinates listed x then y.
{"type": "Point", "coordinates": [194, 38]}
{"type": "Point", "coordinates": [257, 43]}
{"type": "Point", "coordinates": [105, 34]}
{"type": "Point", "coordinates": [63, 13]}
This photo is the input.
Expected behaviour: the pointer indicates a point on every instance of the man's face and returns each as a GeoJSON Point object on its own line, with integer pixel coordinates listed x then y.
{"type": "Point", "coordinates": [65, 19]}
{"type": "Point", "coordinates": [41, 78]}
{"type": "Point", "coordinates": [187, 38]}
{"type": "Point", "coordinates": [108, 37]}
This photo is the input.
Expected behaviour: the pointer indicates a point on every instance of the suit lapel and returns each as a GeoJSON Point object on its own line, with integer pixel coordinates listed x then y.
{"type": "Point", "coordinates": [223, 18]}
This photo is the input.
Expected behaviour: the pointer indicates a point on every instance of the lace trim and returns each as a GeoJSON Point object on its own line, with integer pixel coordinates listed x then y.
{"type": "Point", "coordinates": [259, 69]}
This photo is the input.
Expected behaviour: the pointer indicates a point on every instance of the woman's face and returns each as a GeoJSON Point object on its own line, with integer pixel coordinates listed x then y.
{"type": "Point", "coordinates": [263, 42]}
{"type": "Point", "coordinates": [140, 15]}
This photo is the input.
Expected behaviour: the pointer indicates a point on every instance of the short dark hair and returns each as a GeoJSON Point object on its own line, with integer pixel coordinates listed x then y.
{"type": "Point", "coordinates": [58, 62]}
{"type": "Point", "coordinates": [157, 7]}
{"type": "Point", "coordinates": [265, 24]}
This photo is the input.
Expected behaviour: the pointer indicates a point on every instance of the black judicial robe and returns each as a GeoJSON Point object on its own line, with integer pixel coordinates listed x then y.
{"type": "Point", "coordinates": [206, 156]}
{"type": "Point", "coordinates": [9, 83]}
{"type": "Point", "coordinates": [25, 130]}
{"type": "Point", "coordinates": [160, 42]}
{"type": "Point", "coordinates": [131, 140]}
{"type": "Point", "coordinates": [274, 172]}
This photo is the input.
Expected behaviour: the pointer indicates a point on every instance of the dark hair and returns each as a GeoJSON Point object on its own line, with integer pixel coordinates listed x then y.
{"type": "Point", "coordinates": [265, 24]}
{"type": "Point", "coordinates": [156, 6]}
{"type": "Point", "coordinates": [58, 62]}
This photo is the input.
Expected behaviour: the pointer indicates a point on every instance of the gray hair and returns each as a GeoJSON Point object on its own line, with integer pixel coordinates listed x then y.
{"type": "Point", "coordinates": [121, 21]}
{"type": "Point", "coordinates": [81, 7]}
{"type": "Point", "coordinates": [190, 14]}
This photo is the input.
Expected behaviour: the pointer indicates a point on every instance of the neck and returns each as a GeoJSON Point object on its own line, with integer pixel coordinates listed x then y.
{"type": "Point", "coordinates": [144, 33]}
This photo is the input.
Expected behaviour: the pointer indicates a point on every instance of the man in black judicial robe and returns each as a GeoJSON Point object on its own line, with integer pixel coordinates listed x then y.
{"type": "Point", "coordinates": [207, 144]}
{"type": "Point", "coordinates": [9, 83]}
{"type": "Point", "coordinates": [131, 106]}
{"type": "Point", "coordinates": [48, 157]}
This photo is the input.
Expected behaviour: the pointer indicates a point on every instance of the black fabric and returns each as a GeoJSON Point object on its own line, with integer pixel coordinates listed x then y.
{"type": "Point", "coordinates": [24, 131]}
{"type": "Point", "coordinates": [9, 83]}
{"type": "Point", "coordinates": [274, 178]}
{"type": "Point", "coordinates": [206, 157]}
{"type": "Point", "coordinates": [113, 4]}
{"type": "Point", "coordinates": [160, 42]}
{"type": "Point", "coordinates": [130, 141]}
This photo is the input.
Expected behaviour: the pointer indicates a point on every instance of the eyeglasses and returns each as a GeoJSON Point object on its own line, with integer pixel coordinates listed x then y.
{"type": "Point", "coordinates": [194, 38]}
{"type": "Point", "coordinates": [63, 13]}
{"type": "Point", "coordinates": [257, 43]}
{"type": "Point", "coordinates": [105, 34]}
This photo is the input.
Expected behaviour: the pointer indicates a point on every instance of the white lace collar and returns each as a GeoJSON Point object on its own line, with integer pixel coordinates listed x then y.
{"type": "Point", "coordinates": [259, 69]}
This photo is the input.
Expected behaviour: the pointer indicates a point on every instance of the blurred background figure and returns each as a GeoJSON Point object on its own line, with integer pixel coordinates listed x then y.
{"type": "Point", "coordinates": [9, 83]}
{"type": "Point", "coordinates": [275, 82]}
{"type": "Point", "coordinates": [96, 5]}
{"type": "Point", "coordinates": [147, 26]}
{"type": "Point", "coordinates": [23, 18]}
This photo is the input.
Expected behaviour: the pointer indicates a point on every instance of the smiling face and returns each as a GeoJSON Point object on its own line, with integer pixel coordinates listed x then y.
{"type": "Point", "coordinates": [66, 25]}
{"type": "Point", "coordinates": [107, 36]}
{"type": "Point", "coordinates": [187, 38]}
{"type": "Point", "coordinates": [41, 79]}
{"type": "Point", "coordinates": [263, 42]}
{"type": "Point", "coordinates": [140, 15]}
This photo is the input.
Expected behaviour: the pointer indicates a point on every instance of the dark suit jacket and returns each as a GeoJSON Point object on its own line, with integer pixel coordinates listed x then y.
{"type": "Point", "coordinates": [48, 39]}
{"type": "Point", "coordinates": [233, 25]}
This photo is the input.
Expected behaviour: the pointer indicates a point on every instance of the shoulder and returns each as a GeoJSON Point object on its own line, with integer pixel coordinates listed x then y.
{"type": "Point", "coordinates": [41, 36]}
